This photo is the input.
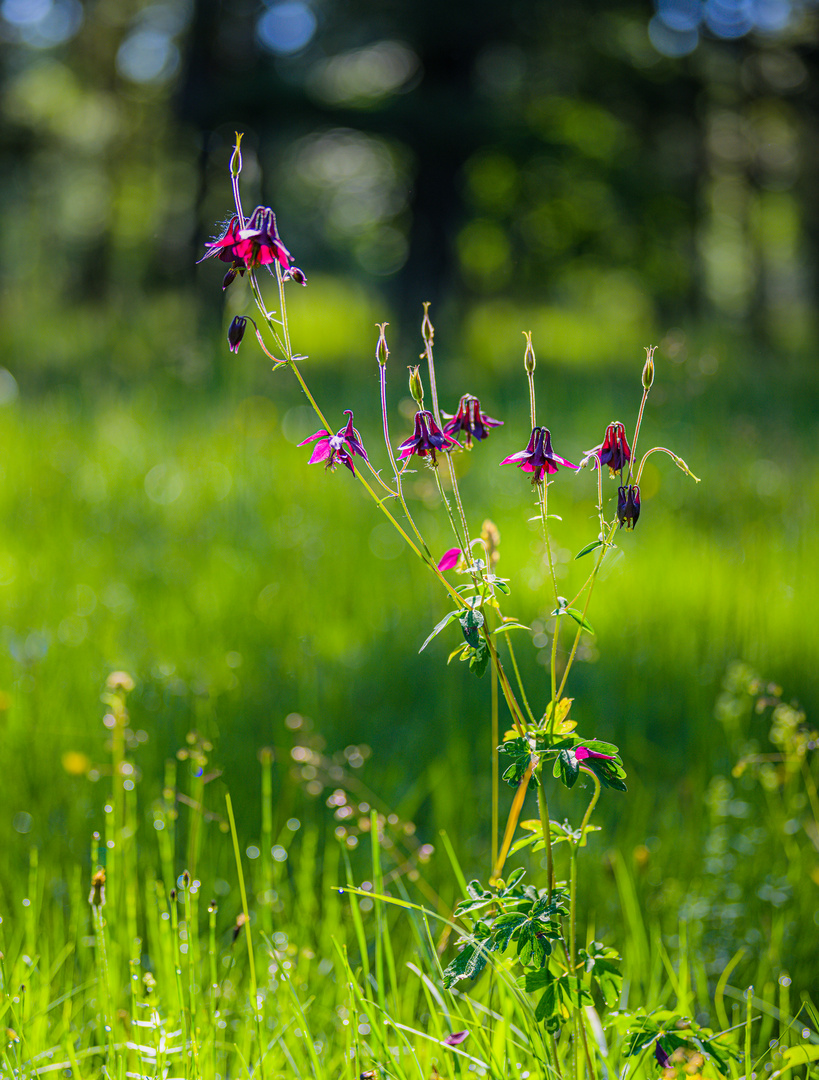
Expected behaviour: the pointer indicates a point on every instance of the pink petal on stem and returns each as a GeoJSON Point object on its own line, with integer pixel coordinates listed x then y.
{"type": "Point", "coordinates": [449, 559]}
{"type": "Point", "coordinates": [456, 1038]}
{"type": "Point", "coordinates": [321, 452]}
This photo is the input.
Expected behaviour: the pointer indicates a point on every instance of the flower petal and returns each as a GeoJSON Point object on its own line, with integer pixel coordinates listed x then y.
{"type": "Point", "coordinates": [320, 434]}
{"type": "Point", "coordinates": [449, 559]}
{"type": "Point", "coordinates": [456, 1038]}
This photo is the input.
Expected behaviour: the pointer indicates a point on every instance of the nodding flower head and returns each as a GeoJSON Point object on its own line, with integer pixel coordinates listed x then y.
{"type": "Point", "coordinates": [256, 243]}
{"type": "Point", "coordinates": [628, 505]}
{"type": "Point", "coordinates": [337, 448]}
{"type": "Point", "coordinates": [470, 420]}
{"type": "Point", "coordinates": [427, 438]}
{"type": "Point", "coordinates": [538, 457]}
{"type": "Point", "coordinates": [613, 451]}
{"type": "Point", "coordinates": [259, 241]}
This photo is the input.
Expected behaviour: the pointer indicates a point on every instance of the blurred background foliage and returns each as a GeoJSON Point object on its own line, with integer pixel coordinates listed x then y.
{"type": "Point", "coordinates": [605, 174]}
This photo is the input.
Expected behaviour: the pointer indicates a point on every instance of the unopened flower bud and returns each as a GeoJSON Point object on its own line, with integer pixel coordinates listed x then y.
{"type": "Point", "coordinates": [229, 278]}
{"type": "Point", "coordinates": [294, 274]}
{"type": "Point", "coordinates": [648, 370]}
{"type": "Point", "coordinates": [96, 898]}
{"type": "Point", "coordinates": [529, 356]}
{"type": "Point", "coordinates": [236, 331]}
{"type": "Point", "coordinates": [416, 387]}
{"type": "Point", "coordinates": [427, 329]}
{"type": "Point", "coordinates": [382, 351]}
{"type": "Point", "coordinates": [236, 159]}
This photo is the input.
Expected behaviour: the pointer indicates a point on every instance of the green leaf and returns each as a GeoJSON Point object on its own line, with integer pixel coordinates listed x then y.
{"type": "Point", "coordinates": [579, 619]}
{"type": "Point", "coordinates": [471, 621]}
{"type": "Point", "coordinates": [566, 768]}
{"type": "Point", "coordinates": [510, 626]}
{"type": "Point", "coordinates": [532, 981]}
{"type": "Point", "coordinates": [588, 548]}
{"type": "Point", "coordinates": [440, 626]}
{"type": "Point", "coordinates": [514, 878]}
{"type": "Point", "coordinates": [547, 1006]}
{"type": "Point", "coordinates": [479, 659]}
{"type": "Point", "coordinates": [520, 753]}
{"type": "Point", "coordinates": [574, 991]}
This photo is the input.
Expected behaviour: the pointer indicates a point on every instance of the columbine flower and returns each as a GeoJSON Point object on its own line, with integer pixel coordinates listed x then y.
{"type": "Point", "coordinates": [613, 451]}
{"type": "Point", "coordinates": [538, 457]}
{"type": "Point", "coordinates": [236, 331]}
{"type": "Point", "coordinates": [583, 752]}
{"type": "Point", "coordinates": [339, 447]}
{"type": "Point", "coordinates": [470, 420]}
{"type": "Point", "coordinates": [259, 243]}
{"type": "Point", "coordinates": [628, 505]}
{"type": "Point", "coordinates": [427, 438]}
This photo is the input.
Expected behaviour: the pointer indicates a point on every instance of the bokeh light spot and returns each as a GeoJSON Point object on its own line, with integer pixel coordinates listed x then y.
{"type": "Point", "coordinates": [670, 42]}
{"type": "Point", "coordinates": [286, 28]}
{"type": "Point", "coordinates": [147, 56]}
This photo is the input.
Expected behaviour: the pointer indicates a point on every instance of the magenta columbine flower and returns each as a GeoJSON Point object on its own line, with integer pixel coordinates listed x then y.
{"type": "Point", "coordinates": [427, 438]}
{"type": "Point", "coordinates": [628, 505]}
{"type": "Point", "coordinates": [538, 457]}
{"type": "Point", "coordinates": [613, 451]}
{"type": "Point", "coordinates": [257, 244]}
{"type": "Point", "coordinates": [337, 448]}
{"type": "Point", "coordinates": [470, 420]}
{"type": "Point", "coordinates": [236, 331]}
{"type": "Point", "coordinates": [582, 753]}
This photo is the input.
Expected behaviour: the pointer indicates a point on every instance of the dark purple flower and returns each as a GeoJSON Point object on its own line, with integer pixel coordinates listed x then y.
{"type": "Point", "coordinates": [538, 457]}
{"type": "Point", "coordinates": [582, 753]}
{"type": "Point", "coordinates": [259, 243]}
{"type": "Point", "coordinates": [663, 1059]}
{"type": "Point", "coordinates": [628, 505]}
{"type": "Point", "coordinates": [470, 420]}
{"type": "Point", "coordinates": [614, 450]}
{"type": "Point", "coordinates": [337, 448]}
{"type": "Point", "coordinates": [427, 438]}
{"type": "Point", "coordinates": [236, 331]}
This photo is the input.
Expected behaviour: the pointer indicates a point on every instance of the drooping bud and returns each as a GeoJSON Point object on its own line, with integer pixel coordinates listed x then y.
{"type": "Point", "coordinates": [236, 331]}
{"type": "Point", "coordinates": [236, 159]}
{"type": "Point", "coordinates": [427, 329]}
{"type": "Point", "coordinates": [648, 370]}
{"type": "Point", "coordinates": [529, 361]}
{"type": "Point", "coordinates": [382, 351]}
{"type": "Point", "coordinates": [416, 387]}
{"type": "Point", "coordinates": [229, 278]}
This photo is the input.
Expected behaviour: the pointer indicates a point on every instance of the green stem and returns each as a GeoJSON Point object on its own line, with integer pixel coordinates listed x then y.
{"type": "Point", "coordinates": [495, 736]}
{"type": "Point", "coordinates": [545, 828]}
{"type": "Point", "coordinates": [254, 989]}
{"type": "Point", "coordinates": [518, 677]}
